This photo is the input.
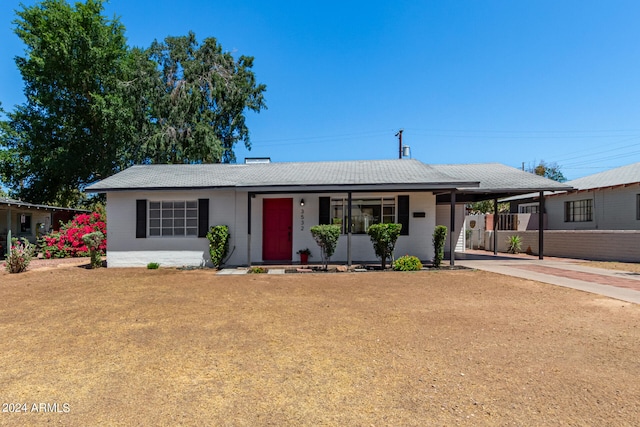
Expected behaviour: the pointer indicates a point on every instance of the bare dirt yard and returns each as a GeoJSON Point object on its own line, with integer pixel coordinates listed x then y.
{"type": "Point", "coordinates": [167, 347]}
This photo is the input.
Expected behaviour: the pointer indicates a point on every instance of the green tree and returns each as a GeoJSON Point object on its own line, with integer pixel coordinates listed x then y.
{"type": "Point", "coordinates": [384, 237]}
{"type": "Point", "coordinates": [218, 237]}
{"type": "Point", "coordinates": [195, 98]}
{"type": "Point", "coordinates": [326, 236]}
{"type": "Point", "coordinates": [548, 170]}
{"type": "Point", "coordinates": [439, 239]}
{"type": "Point", "coordinates": [486, 206]}
{"type": "Point", "coordinates": [94, 106]}
{"type": "Point", "coordinates": [75, 123]}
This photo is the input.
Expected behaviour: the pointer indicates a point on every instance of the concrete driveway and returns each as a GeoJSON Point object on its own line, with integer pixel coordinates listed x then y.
{"type": "Point", "coordinates": [570, 273]}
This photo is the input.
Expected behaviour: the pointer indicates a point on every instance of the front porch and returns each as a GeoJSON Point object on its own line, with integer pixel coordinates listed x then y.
{"type": "Point", "coordinates": [30, 221]}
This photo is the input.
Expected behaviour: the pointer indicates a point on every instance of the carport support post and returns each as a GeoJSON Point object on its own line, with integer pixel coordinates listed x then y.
{"type": "Point", "coordinates": [495, 226]}
{"type": "Point", "coordinates": [452, 247]}
{"type": "Point", "coordinates": [349, 229]}
{"type": "Point", "coordinates": [541, 226]}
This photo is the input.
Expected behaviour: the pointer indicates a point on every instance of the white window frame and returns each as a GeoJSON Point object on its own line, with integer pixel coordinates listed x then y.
{"type": "Point", "coordinates": [172, 218]}
{"type": "Point", "coordinates": [527, 208]}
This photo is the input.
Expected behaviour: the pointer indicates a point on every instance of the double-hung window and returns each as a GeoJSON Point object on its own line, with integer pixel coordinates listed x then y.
{"type": "Point", "coordinates": [173, 218]}
{"type": "Point", "coordinates": [578, 210]}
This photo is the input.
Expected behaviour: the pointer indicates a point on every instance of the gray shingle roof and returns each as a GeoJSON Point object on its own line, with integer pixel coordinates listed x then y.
{"type": "Point", "coordinates": [373, 172]}
{"type": "Point", "coordinates": [389, 174]}
{"type": "Point", "coordinates": [629, 174]}
{"type": "Point", "coordinates": [496, 177]}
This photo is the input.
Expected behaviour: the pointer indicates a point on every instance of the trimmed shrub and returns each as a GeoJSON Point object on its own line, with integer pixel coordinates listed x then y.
{"type": "Point", "coordinates": [218, 237]}
{"type": "Point", "coordinates": [67, 242]}
{"type": "Point", "coordinates": [20, 255]}
{"type": "Point", "coordinates": [439, 236]}
{"type": "Point", "coordinates": [326, 236]}
{"type": "Point", "coordinates": [384, 237]}
{"type": "Point", "coordinates": [153, 266]}
{"type": "Point", "coordinates": [93, 241]}
{"type": "Point", "coordinates": [407, 263]}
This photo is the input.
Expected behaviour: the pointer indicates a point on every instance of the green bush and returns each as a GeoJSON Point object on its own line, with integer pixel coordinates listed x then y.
{"type": "Point", "coordinates": [326, 236]}
{"type": "Point", "coordinates": [439, 237]}
{"type": "Point", "coordinates": [384, 237]}
{"type": "Point", "coordinates": [515, 244]}
{"type": "Point", "coordinates": [407, 263]}
{"type": "Point", "coordinates": [153, 265]}
{"type": "Point", "coordinates": [218, 244]}
{"type": "Point", "coordinates": [93, 241]}
{"type": "Point", "coordinates": [20, 255]}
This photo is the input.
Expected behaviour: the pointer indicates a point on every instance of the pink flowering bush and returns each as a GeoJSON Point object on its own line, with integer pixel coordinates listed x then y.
{"type": "Point", "coordinates": [67, 242]}
{"type": "Point", "coordinates": [19, 256]}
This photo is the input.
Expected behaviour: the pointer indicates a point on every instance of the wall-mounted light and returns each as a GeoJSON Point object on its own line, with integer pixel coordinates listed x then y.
{"type": "Point", "coordinates": [301, 202]}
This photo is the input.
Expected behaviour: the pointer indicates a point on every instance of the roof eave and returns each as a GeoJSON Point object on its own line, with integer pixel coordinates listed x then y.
{"type": "Point", "coordinates": [283, 188]}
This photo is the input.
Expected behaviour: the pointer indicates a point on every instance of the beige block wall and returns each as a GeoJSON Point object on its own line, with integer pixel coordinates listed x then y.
{"type": "Point", "coordinates": [607, 245]}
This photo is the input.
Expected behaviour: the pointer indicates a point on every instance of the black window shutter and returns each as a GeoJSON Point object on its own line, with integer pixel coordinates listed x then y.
{"type": "Point", "coordinates": [325, 210]}
{"type": "Point", "coordinates": [141, 219]}
{"type": "Point", "coordinates": [403, 214]}
{"type": "Point", "coordinates": [203, 217]}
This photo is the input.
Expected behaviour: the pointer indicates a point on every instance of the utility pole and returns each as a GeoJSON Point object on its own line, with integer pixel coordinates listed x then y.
{"type": "Point", "coordinates": [399, 135]}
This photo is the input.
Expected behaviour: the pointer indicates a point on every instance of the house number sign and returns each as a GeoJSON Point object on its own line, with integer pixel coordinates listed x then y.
{"type": "Point", "coordinates": [301, 219]}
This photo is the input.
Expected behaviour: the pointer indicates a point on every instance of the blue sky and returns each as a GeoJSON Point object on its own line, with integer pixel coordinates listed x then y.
{"type": "Point", "coordinates": [468, 81]}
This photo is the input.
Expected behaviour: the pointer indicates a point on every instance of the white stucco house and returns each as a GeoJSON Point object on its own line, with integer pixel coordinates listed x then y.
{"type": "Point", "coordinates": [161, 213]}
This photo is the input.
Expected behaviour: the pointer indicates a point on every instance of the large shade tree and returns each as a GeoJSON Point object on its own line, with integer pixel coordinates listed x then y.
{"type": "Point", "coordinates": [75, 123]}
{"type": "Point", "coordinates": [196, 96]}
{"type": "Point", "coordinates": [94, 106]}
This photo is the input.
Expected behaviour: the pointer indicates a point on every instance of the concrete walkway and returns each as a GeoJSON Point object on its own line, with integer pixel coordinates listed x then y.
{"type": "Point", "coordinates": [570, 273]}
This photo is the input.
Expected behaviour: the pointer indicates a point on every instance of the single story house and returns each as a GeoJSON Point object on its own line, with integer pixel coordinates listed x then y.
{"type": "Point", "coordinates": [607, 200]}
{"type": "Point", "coordinates": [161, 213]}
{"type": "Point", "coordinates": [21, 219]}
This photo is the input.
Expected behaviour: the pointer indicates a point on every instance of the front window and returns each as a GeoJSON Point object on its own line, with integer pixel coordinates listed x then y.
{"type": "Point", "coordinates": [364, 213]}
{"type": "Point", "coordinates": [638, 206]}
{"type": "Point", "coordinates": [173, 218]}
{"type": "Point", "coordinates": [578, 211]}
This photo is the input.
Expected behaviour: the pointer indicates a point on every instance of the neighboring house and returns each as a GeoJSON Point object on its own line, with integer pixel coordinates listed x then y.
{"type": "Point", "coordinates": [20, 219]}
{"type": "Point", "coordinates": [607, 200]}
{"type": "Point", "coordinates": [161, 213]}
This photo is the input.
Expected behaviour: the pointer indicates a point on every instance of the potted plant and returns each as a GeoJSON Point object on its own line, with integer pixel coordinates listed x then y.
{"type": "Point", "coordinates": [304, 255]}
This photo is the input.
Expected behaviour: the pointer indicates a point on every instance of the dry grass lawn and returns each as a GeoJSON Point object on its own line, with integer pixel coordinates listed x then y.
{"type": "Point", "coordinates": [167, 347]}
{"type": "Point", "coordinates": [611, 265]}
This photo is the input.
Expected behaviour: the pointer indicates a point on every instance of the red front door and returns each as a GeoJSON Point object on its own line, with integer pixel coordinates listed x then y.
{"type": "Point", "coordinates": [277, 223]}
